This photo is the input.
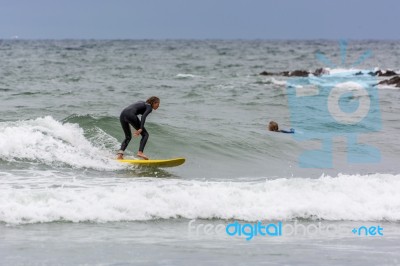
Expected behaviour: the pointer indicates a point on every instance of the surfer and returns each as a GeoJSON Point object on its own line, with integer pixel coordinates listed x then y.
{"type": "Point", "coordinates": [273, 126]}
{"type": "Point", "coordinates": [129, 116]}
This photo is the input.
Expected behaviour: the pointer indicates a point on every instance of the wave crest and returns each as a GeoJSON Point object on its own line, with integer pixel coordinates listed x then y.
{"type": "Point", "coordinates": [345, 197]}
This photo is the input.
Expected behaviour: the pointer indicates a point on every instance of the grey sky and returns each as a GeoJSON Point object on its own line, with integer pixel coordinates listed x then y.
{"type": "Point", "coordinates": [201, 19]}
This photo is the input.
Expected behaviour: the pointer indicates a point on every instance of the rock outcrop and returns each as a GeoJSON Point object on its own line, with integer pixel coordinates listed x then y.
{"type": "Point", "coordinates": [393, 81]}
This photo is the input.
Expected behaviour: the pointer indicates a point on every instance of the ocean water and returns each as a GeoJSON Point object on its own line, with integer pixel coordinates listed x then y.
{"type": "Point", "coordinates": [64, 200]}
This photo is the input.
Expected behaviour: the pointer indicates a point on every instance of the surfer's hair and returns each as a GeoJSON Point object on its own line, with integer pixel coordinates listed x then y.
{"type": "Point", "coordinates": [152, 100]}
{"type": "Point", "coordinates": [273, 126]}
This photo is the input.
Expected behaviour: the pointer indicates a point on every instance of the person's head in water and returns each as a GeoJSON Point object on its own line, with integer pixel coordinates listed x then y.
{"type": "Point", "coordinates": [273, 126]}
{"type": "Point", "coordinates": [154, 102]}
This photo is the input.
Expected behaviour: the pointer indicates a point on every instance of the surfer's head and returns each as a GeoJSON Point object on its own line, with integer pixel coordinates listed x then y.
{"type": "Point", "coordinates": [154, 102]}
{"type": "Point", "coordinates": [273, 126]}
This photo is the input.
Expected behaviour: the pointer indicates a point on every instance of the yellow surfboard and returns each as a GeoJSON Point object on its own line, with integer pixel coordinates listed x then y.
{"type": "Point", "coordinates": [155, 163]}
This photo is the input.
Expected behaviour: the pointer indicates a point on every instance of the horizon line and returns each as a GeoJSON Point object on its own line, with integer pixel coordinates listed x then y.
{"type": "Point", "coordinates": [193, 39]}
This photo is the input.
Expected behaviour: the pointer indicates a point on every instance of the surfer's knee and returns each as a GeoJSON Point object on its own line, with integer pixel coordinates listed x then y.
{"type": "Point", "coordinates": [145, 134]}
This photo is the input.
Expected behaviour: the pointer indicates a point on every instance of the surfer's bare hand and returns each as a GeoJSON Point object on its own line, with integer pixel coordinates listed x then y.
{"type": "Point", "coordinates": [137, 132]}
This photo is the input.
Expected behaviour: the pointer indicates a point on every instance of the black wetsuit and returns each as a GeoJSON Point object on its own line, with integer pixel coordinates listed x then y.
{"type": "Point", "coordinates": [130, 116]}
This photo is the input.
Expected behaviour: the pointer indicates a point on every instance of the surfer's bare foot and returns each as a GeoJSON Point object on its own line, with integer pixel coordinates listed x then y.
{"type": "Point", "coordinates": [141, 155]}
{"type": "Point", "coordinates": [120, 156]}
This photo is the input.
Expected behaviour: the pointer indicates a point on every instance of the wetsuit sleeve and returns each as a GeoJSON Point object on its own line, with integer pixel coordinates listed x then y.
{"type": "Point", "coordinates": [145, 114]}
{"type": "Point", "coordinates": [287, 131]}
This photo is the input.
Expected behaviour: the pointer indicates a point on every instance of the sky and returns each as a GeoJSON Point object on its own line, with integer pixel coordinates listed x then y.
{"type": "Point", "coordinates": [200, 19]}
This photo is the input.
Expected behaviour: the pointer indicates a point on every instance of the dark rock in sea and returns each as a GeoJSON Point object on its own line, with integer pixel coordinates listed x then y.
{"type": "Point", "coordinates": [387, 73]}
{"type": "Point", "coordinates": [319, 72]}
{"type": "Point", "coordinates": [393, 81]}
{"type": "Point", "coordinates": [296, 73]}
{"type": "Point", "coordinates": [284, 73]}
{"type": "Point", "coordinates": [266, 73]}
{"type": "Point", "coordinates": [299, 73]}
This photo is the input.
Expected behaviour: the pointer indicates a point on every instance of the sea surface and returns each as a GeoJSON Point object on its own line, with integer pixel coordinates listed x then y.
{"type": "Point", "coordinates": [65, 200]}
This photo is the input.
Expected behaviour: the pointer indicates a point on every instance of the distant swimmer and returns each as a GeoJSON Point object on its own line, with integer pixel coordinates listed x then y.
{"type": "Point", "coordinates": [129, 116]}
{"type": "Point", "coordinates": [273, 126]}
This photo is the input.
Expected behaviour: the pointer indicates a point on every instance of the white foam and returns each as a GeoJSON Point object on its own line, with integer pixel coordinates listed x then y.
{"type": "Point", "coordinates": [184, 76]}
{"type": "Point", "coordinates": [278, 82]}
{"type": "Point", "coordinates": [387, 87]}
{"type": "Point", "coordinates": [51, 142]}
{"type": "Point", "coordinates": [345, 197]}
{"type": "Point", "coordinates": [344, 71]}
